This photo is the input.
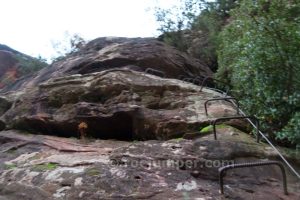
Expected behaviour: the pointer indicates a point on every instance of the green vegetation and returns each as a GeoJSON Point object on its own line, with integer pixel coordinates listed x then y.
{"type": "Point", "coordinates": [29, 65]}
{"type": "Point", "coordinates": [210, 128]}
{"type": "Point", "coordinates": [70, 44]}
{"type": "Point", "coordinates": [291, 130]}
{"type": "Point", "coordinates": [254, 46]}
{"type": "Point", "coordinates": [10, 166]}
{"type": "Point", "coordinates": [45, 167]}
{"type": "Point", "coordinates": [196, 28]}
{"type": "Point", "coordinates": [259, 56]}
{"type": "Point", "coordinates": [206, 129]}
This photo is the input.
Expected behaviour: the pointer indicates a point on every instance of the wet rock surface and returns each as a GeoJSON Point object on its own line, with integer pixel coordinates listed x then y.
{"type": "Point", "coordinates": [47, 167]}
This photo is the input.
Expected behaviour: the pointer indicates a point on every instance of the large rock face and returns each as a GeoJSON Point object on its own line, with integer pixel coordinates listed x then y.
{"type": "Point", "coordinates": [8, 68]}
{"type": "Point", "coordinates": [131, 53]}
{"type": "Point", "coordinates": [14, 66]}
{"type": "Point", "coordinates": [104, 86]}
{"type": "Point", "coordinates": [45, 167]}
{"type": "Point", "coordinates": [122, 104]}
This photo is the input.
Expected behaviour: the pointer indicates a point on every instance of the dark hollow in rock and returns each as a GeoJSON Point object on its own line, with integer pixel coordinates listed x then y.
{"type": "Point", "coordinates": [104, 85]}
{"type": "Point", "coordinates": [118, 127]}
{"type": "Point", "coordinates": [4, 105]}
{"type": "Point", "coordinates": [2, 125]}
{"type": "Point", "coordinates": [114, 104]}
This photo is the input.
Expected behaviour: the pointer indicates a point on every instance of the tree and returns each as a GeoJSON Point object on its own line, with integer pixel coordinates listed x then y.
{"type": "Point", "coordinates": [194, 27]}
{"type": "Point", "coordinates": [175, 21]}
{"type": "Point", "coordinates": [70, 44]}
{"type": "Point", "coordinates": [28, 65]}
{"type": "Point", "coordinates": [259, 55]}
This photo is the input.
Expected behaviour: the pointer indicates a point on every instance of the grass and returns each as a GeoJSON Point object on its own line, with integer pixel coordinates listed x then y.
{"type": "Point", "coordinates": [210, 128]}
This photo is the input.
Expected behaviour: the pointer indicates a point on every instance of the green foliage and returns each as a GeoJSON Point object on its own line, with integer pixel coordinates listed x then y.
{"type": "Point", "coordinates": [29, 65]}
{"type": "Point", "coordinates": [194, 27]}
{"type": "Point", "coordinates": [70, 44]}
{"type": "Point", "coordinates": [179, 17]}
{"type": "Point", "coordinates": [210, 23]}
{"type": "Point", "coordinates": [10, 166]}
{"type": "Point", "coordinates": [259, 55]}
{"type": "Point", "coordinates": [173, 22]}
{"type": "Point", "coordinates": [206, 129]}
{"type": "Point", "coordinates": [291, 131]}
{"type": "Point", "coordinates": [26, 65]}
{"type": "Point", "coordinates": [45, 167]}
{"type": "Point", "coordinates": [210, 128]}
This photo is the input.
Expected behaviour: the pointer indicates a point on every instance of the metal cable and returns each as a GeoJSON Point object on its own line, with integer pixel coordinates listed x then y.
{"type": "Point", "coordinates": [270, 143]}
{"type": "Point", "coordinates": [254, 126]}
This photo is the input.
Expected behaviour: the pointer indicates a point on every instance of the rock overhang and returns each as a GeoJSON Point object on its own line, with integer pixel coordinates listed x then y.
{"type": "Point", "coordinates": [117, 103]}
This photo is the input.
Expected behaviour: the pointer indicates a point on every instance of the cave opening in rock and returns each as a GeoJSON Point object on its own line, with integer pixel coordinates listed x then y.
{"type": "Point", "coordinates": [118, 127]}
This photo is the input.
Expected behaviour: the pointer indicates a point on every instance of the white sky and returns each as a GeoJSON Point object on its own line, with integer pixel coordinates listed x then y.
{"type": "Point", "coordinates": [29, 26]}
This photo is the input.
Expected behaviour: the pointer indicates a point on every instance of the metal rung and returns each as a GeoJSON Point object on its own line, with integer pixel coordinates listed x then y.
{"type": "Point", "coordinates": [255, 126]}
{"type": "Point", "coordinates": [274, 148]}
{"type": "Point", "coordinates": [218, 90]}
{"type": "Point", "coordinates": [190, 80]}
{"type": "Point", "coordinates": [222, 171]}
{"type": "Point", "coordinates": [181, 77]}
{"type": "Point", "coordinates": [237, 117]}
{"type": "Point", "coordinates": [226, 99]}
{"type": "Point", "coordinates": [206, 79]}
{"type": "Point", "coordinates": [155, 72]}
{"type": "Point", "coordinates": [198, 80]}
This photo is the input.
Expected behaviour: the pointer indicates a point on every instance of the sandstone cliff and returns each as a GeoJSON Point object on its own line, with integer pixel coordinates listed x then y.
{"type": "Point", "coordinates": [144, 139]}
{"type": "Point", "coordinates": [15, 65]}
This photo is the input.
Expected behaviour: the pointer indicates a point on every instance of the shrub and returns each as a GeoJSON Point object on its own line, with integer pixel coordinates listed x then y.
{"type": "Point", "coordinates": [259, 56]}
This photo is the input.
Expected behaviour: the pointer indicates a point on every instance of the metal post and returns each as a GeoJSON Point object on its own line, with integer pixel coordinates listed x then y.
{"type": "Point", "coordinates": [222, 171]}
{"type": "Point", "coordinates": [224, 98]}
{"type": "Point", "coordinates": [155, 72]}
{"type": "Point", "coordinates": [213, 80]}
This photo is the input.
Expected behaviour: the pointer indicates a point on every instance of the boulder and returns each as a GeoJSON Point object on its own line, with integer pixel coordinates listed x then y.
{"type": "Point", "coordinates": [126, 53]}
{"type": "Point", "coordinates": [117, 103]}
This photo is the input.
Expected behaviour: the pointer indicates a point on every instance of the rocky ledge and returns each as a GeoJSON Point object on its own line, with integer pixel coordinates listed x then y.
{"type": "Point", "coordinates": [48, 167]}
{"type": "Point", "coordinates": [117, 103]}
